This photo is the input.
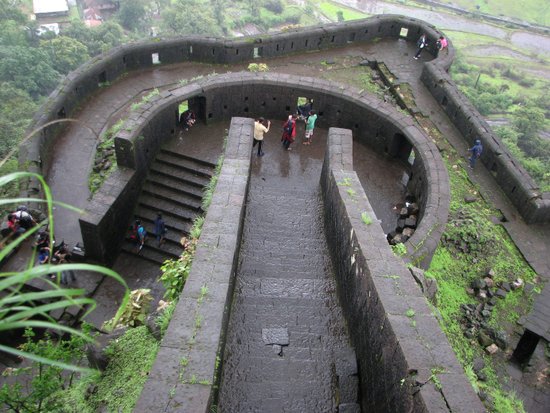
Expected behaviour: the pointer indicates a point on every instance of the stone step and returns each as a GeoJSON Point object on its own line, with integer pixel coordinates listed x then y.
{"type": "Point", "coordinates": [195, 161]}
{"type": "Point", "coordinates": [184, 163]}
{"type": "Point", "coordinates": [166, 181]}
{"type": "Point", "coordinates": [176, 173]}
{"type": "Point", "coordinates": [176, 223]}
{"type": "Point", "coordinates": [186, 212]}
{"type": "Point", "coordinates": [151, 252]}
{"type": "Point", "coordinates": [171, 195]}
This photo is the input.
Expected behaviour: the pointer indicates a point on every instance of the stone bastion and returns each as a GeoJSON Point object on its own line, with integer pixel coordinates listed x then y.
{"type": "Point", "coordinates": [525, 194]}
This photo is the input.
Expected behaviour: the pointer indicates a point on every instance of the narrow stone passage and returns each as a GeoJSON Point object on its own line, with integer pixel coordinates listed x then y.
{"type": "Point", "coordinates": [287, 346]}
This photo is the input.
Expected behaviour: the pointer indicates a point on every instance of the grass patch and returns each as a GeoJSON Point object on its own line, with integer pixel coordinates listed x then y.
{"type": "Point", "coordinates": [120, 385]}
{"type": "Point", "coordinates": [330, 10]}
{"type": "Point", "coordinates": [532, 11]}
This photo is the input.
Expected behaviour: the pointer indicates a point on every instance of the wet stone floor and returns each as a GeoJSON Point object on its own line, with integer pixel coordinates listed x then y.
{"type": "Point", "coordinates": [286, 332]}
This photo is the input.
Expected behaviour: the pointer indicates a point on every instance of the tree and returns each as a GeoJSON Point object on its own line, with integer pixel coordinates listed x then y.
{"type": "Point", "coordinates": [189, 17]}
{"type": "Point", "coordinates": [12, 34]}
{"type": "Point", "coordinates": [28, 68]}
{"type": "Point", "coordinates": [15, 117]}
{"type": "Point", "coordinates": [66, 53]}
{"type": "Point", "coordinates": [11, 10]}
{"type": "Point", "coordinates": [133, 14]}
{"type": "Point", "coordinates": [528, 120]}
{"type": "Point", "coordinates": [218, 8]}
{"type": "Point", "coordinates": [107, 36]}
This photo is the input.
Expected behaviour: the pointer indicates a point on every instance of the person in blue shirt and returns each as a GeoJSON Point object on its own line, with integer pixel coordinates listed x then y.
{"type": "Point", "coordinates": [160, 229]}
{"type": "Point", "coordinates": [141, 234]}
{"type": "Point", "coordinates": [476, 151]}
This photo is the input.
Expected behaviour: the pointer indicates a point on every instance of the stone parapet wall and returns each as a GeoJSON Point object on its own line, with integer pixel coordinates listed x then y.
{"type": "Point", "coordinates": [405, 360]}
{"type": "Point", "coordinates": [185, 375]}
{"type": "Point", "coordinates": [106, 68]}
{"type": "Point", "coordinates": [513, 179]}
{"type": "Point", "coordinates": [375, 123]}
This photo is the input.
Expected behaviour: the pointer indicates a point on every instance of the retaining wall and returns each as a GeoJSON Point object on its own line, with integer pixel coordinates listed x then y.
{"type": "Point", "coordinates": [377, 124]}
{"type": "Point", "coordinates": [513, 179]}
{"type": "Point", "coordinates": [185, 375]}
{"type": "Point", "coordinates": [405, 361]}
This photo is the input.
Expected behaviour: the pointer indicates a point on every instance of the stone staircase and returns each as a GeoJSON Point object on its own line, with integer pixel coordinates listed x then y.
{"type": "Point", "coordinates": [174, 188]}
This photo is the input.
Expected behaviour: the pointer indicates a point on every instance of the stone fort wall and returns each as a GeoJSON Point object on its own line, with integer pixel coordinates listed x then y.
{"type": "Point", "coordinates": [80, 85]}
{"type": "Point", "coordinates": [399, 345]}
{"type": "Point", "coordinates": [377, 124]}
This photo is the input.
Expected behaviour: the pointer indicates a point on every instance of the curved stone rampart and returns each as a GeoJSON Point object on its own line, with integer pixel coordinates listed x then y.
{"type": "Point", "coordinates": [101, 70]}
{"type": "Point", "coordinates": [377, 124]}
{"type": "Point", "coordinates": [405, 360]}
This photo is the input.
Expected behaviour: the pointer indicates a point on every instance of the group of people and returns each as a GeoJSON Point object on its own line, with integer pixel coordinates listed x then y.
{"type": "Point", "coordinates": [138, 234]}
{"type": "Point", "coordinates": [50, 253]}
{"type": "Point", "coordinates": [441, 44]}
{"type": "Point", "coordinates": [304, 112]}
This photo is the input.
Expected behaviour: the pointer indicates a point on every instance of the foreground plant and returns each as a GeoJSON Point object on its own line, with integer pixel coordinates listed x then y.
{"type": "Point", "coordinates": [31, 310]}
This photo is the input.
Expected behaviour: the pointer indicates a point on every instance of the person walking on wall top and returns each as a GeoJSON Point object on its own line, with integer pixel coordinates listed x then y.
{"type": "Point", "coordinates": [259, 130]}
{"type": "Point", "coordinates": [421, 44]}
{"type": "Point", "coordinates": [476, 151]}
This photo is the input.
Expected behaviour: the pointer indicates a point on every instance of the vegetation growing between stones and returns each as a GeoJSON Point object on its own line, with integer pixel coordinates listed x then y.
{"type": "Point", "coordinates": [118, 388]}
{"type": "Point", "coordinates": [105, 157]}
{"type": "Point", "coordinates": [470, 246]}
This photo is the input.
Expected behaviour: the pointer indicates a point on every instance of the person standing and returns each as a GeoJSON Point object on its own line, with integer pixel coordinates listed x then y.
{"type": "Point", "coordinates": [141, 234]}
{"type": "Point", "coordinates": [289, 132]}
{"type": "Point", "coordinates": [259, 130]}
{"type": "Point", "coordinates": [476, 151]}
{"type": "Point", "coordinates": [310, 125]}
{"type": "Point", "coordinates": [160, 229]}
{"type": "Point", "coordinates": [441, 44]}
{"type": "Point", "coordinates": [421, 44]}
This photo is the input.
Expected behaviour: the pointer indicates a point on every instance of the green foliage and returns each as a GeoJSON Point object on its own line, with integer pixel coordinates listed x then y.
{"type": "Point", "coordinates": [14, 117]}
{"type": "Point", "coordinates": [133, 14]}
{"type": "Point", "coordinates": [410, 313]}
{"type": "Point", "coordinates": [43, 380]}
{"type": "Point", "coordinates": [399, 249]}
{"type": "Point", "coordinates": [105, 150]}
{"type": "Point", "coordinates": [258, 67]}
{"type": "Point", "coordinates": [164, 319]}
{"type": "Point", "coordinates": [174, 275]}
{"type": "Point", "coordinates": [145, 99]}
{"type": "Point", "coordinates": [119, 387]}
{"type": "Point", "coordinates": [66, 53]}
{"type": "Point", "coordinates": [29, 69]}
{"type": "Point", "coordinates": [134, 312]}
{"type": "Point", "coordinates": [367, 220]}
{"type": "Point", "coordinates": [336, 11]}
{"type": "Point", "coordinates": [20, 309]}
{"type": "Point", "coordinates": [528, 120]}
{"type": "Point", "coordinates": [189, 17]}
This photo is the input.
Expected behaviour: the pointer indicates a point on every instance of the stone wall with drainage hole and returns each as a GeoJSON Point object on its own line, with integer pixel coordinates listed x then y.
{"type": "Point", "coordinates": [405, 360]}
